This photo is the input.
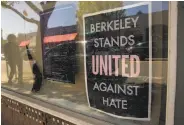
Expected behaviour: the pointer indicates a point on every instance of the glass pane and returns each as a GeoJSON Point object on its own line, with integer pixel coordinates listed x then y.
{"type": "Point", "coordinates": [47, 51]}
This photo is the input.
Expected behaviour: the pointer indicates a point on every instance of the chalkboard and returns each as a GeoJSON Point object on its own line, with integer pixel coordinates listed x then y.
{"type": "Point", "coordinates": [58, 43]}
{"type": "Point", "coordinates": [117, 50]}
{"type": "Point", "coordinates": [60, 62]}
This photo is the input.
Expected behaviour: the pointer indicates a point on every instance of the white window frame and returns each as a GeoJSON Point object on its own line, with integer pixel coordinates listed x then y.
{"type": "Point", "coordinates": [172, 62]}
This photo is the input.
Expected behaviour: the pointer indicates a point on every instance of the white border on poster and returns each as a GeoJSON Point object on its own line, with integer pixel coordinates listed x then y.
{"type": "Point", "coordinates": [150, 57]}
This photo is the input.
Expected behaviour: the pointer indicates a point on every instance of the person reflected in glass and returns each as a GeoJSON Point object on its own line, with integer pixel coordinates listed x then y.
{"type": "Point", "coordinates": [36, 72]}
{"type": "Point", "coordinates": [13, 58]}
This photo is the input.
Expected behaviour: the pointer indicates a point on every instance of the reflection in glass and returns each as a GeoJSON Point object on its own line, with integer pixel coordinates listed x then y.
{"type": "Point", "coordinates": [38, 24]}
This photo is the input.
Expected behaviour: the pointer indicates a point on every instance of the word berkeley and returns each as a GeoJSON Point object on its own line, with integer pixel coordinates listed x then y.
{"type": "Point", "coordinates": [114, 25]}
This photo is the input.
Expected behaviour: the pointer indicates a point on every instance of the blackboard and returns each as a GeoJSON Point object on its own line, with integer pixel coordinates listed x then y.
{"type": "Point", "coordinates": [60, 62]}
{"type": "Point", "coordinates": [59, 43]}
{"type": "Point", "coordinates": [117, 44]}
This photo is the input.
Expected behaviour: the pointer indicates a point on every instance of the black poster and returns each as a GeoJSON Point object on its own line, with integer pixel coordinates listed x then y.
{"type": "Point", "coordinates": [118, 61]}
{"type": "Point", "coordinates": [59, 31]}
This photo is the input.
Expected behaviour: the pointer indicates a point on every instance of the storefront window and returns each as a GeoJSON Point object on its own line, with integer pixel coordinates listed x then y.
{"type": "Point", "coordinates": [103, 59]}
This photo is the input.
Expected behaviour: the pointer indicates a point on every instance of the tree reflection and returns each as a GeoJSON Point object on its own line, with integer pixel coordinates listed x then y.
{"type": "Point", "coordinates": [44, 6]}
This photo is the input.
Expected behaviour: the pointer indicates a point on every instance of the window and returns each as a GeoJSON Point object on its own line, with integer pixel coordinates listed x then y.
{"type": "Point", "coordinates": [57, 33]}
